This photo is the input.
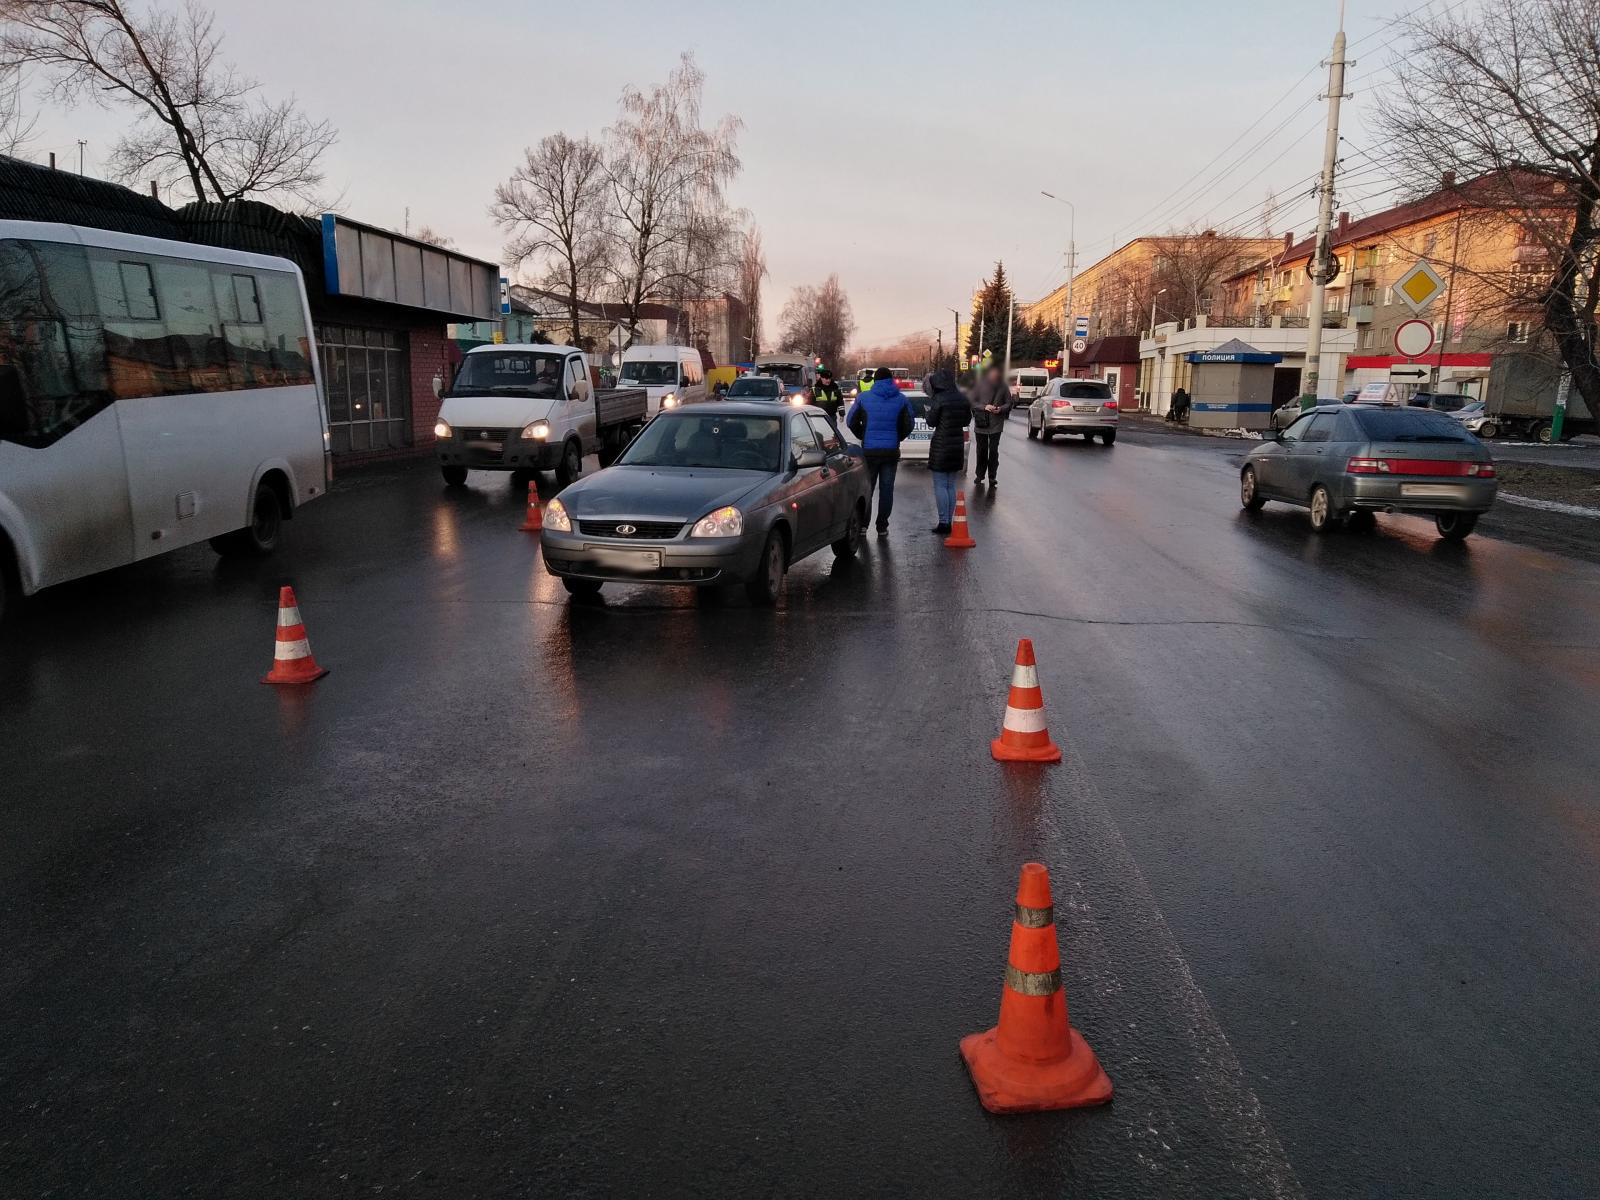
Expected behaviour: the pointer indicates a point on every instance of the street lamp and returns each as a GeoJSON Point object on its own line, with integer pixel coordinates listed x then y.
{"type": "Point", "coordinates": [1072, 267]}
{"type": "Point", "coordinates": [1150, 399]}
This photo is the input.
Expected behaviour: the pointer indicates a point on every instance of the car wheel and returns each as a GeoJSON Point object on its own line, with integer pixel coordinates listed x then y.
{"type": "Point", "coordinates": [1322, 516]}
{"type": "Point", "coordinates": [1048, 435]}
{"type": "Point", "coordinates": [847, 546]}
{"type": "Point", "coordinates": [1544, 433]}
{"type": "Point", "coordinates": [1488, 430]}
{"type": "Point", "coordinates": [1109, 437]}
{"type": "Point", "coordinates": [259, 538]}
{"type": "Point", "coordinates": [571, 465]}
{"type": "Point", "coordinates": [1088, 436]}
{"type": "Point", "coordinates": [767, 586]}
{"type": "Point", "coordinates": [454, 476]}
{"type": "Point", "coordinates": [1033, 432]}
{"type": "Point", "coordinates": [1362, 521]}
{"type": "Point", "coordinates": [1455, 526]}
{"type": "Point", "coordinates": [581, 587]}
{"type": "Point", "coordinates": [1249, 492]}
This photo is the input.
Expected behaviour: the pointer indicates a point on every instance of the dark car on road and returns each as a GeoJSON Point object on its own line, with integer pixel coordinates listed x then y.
{"type": "Point", "coordinates": [711, 495]}
{"type": "Point", "coordinates": [1347, 462]}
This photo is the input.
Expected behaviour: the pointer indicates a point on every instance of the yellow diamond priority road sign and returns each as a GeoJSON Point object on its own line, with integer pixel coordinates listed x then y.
{"type": "Point", "coordinates": [1418, 287]}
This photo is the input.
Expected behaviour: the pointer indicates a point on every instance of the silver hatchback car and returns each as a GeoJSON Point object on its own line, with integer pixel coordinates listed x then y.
{"type": "Point", "coordinates": [1085, 406]}
{"type": "Point", "coordinates": [1346, 462]}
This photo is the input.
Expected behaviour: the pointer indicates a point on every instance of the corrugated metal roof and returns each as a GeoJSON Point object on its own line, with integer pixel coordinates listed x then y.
{"type": "Point", "coordinates": [29, 192]}
{"type": "Point", "coordinates": [261, 229]}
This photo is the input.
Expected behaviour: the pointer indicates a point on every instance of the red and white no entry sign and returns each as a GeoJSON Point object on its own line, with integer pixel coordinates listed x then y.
{"type": "Point", "coordinates": [1413, 339]}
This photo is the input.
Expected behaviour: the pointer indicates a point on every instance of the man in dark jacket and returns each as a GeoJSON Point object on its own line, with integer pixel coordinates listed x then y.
{"type": "Point", "coordinates": [826, 395]}
{"type": "Point", "coordinates": [949, 414]}
{"type": "Point", "coordinates": [991, 405]}
{"type": "Point", "coordinates": [881, 418]}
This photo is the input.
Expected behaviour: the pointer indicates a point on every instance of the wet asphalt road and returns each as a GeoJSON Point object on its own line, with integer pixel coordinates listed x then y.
{"type": "Point", "coordinates": [658, 897]}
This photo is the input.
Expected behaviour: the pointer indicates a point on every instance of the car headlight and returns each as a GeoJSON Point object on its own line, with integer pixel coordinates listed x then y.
{"type": "Point", "coordinates": [798, 400]}
{"type": "Point", "coordinates": [556, 517]}
{"type": "Point", "coordinates": [670, 400]}
{"type": "Point", "coordinates": [725, 522]}
{"type": "Point", "coordinates": [442, 431]}
{"type": "Point", "coordinates": [536, 430]}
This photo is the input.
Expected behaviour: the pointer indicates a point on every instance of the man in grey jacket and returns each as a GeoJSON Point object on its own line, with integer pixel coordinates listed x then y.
{"type": "Point", "coordinates": [991, 405]}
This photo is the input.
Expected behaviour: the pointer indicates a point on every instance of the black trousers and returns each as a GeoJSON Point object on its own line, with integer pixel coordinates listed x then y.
{"type": "Point", "coordinates": [988, 454]}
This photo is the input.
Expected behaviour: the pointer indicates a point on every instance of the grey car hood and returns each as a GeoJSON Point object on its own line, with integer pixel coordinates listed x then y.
{"type": "Point", "coordinates": [659, 493]}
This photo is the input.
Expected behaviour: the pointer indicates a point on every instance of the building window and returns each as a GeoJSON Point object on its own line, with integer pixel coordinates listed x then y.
{"type": "Point", "coordinates": [368, 379]}
{"type": "Point", "coordinates": [1364, 338]}
{"type": "Point", "coordinates": [1517, 331]}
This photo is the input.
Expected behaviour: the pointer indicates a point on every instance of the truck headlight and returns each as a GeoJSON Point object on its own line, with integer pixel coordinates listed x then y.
{"type": "Point", "coordinates": [670, 400]}
{"type": "Point", "coordinates": [725, 522]}
{"type": "Point", "coordinates": [555, 517]}
{"type": "Point", "coordinates": [442, 431]}
{"type": "Point", "coordinates": [536, 430]}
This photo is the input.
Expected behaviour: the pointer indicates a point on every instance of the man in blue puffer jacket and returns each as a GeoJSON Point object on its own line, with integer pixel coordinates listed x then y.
{"type": "Point", "coordinates": [881, 418]}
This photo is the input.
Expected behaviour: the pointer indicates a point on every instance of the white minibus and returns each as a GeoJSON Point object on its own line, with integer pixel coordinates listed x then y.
{"type": "Point", "coordinates": [153, 394]}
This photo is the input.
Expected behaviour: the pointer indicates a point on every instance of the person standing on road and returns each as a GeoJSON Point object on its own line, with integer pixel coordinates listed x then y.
{"type": "Point", "coordinates": [827, 396]}
{"type": "Point", "coordinates": [991, 405]}
{"type": "Point", "coordinates": [881, 418]}
{"type": "Point", "coordinates": [949, 414]}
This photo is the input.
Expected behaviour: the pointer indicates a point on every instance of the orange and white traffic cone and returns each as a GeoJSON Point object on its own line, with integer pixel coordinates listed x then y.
{"type": "Point", "coordinates": [1034, 1060]}
{"type": "Point", "coordinates": [291, 659]}
{"type": "Point", "coordinates": [960, 536]}
{"type": "Point", "coordinates": [1023, 736]}
{"type": "Point", "coordinates": [534, 521]}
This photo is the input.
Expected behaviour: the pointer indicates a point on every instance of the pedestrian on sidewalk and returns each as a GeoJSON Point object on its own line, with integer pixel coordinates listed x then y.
{"type": "Point", "coordinates": [881, 418]}
{"type": "Point", "coordinates": [827, 396]}
{"type": "Point", "coordinates": [991, 405]}
{"type": "Point", "coordinates": [949, 414]}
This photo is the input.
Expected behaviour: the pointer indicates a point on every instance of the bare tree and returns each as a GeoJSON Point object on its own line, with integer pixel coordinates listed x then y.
{"type": "Point", "coordinates": [199, 124]}
{"type": "Point", "coordinates": [1181, 278]}
{"type": "Point", "coordinates": [432, 237]}
{"type": "Point", "coordinates": [16, 127]}
{"type": "Point", "coordinates": [752, 270]}
{"type": "Point", "coordinates": [667, 173]}
{"type": "Point", "coordinates": [1507, 98]}
{"type": "Point", "coordinates": [554, 208]}
{"type": "Point", "coordinates": [818, 320]}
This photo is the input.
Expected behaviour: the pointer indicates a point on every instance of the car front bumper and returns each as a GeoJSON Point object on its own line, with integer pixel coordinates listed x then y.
{"type": "Point", "coordinates": [696, 563]}
{"type": "Point", "coordinates": [1449, 494]}
{"type": "Point", "coordinates": [514, 454]}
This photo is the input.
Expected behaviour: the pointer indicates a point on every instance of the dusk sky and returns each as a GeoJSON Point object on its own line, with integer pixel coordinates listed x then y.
{"type": "Point", "coordinates": [902, 145]}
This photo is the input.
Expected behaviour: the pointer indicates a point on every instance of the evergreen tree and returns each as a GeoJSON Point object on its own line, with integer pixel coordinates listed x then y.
{"type": "Point", "coordinates": [989, 316]}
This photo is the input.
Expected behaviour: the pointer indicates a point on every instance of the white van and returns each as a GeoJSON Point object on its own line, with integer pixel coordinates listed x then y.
{"type": "Point", "coordinates": [672, 375]}
{"type": "Point", "coordinates": [798, 373]}
{"type": "Point", "coordinates": [1028, 383]}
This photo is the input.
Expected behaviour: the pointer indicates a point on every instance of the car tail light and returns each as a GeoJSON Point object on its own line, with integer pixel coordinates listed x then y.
{"type": "Point", "coordinates": [1367, 466]}
{"type": "Point", "coordinates": [1109, 404]}
{"type": "Point", "coordinates": [1481, 470]}
{"type": "Point", "coordinates": [1061, 404]}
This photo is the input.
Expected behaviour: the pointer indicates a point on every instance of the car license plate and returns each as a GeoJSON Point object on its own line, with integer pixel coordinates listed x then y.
{"type": "Point", "coordinates": [490, 447]}
{"type": "Point", "coordinates": [634, 562]}
{"type": "Point", "coordinates": [1085, 408]}
{"type": "Point", "coordinates": [1433, 491]}
{"type": "Point", "coordinates": [921, 431]}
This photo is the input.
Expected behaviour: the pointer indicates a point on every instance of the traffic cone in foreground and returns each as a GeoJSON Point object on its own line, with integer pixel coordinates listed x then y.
{"type": "Point", "coordinates": [1023, 737]}
{"type": "Point", "coordinates": [534, 521]}
{"type": "Point", "coordinates": [1034, 1060]}
{"type": "Point", "coordinates": [960, 536]}
{"type": "Point", "coordinates": [291, 660]}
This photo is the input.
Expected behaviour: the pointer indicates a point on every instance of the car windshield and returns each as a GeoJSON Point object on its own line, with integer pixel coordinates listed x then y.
{"type": "Point", "coordinates": [1410, 425]}
{"type": "Point", "coordinates": [652, 373]}
{"type": "Point", "coordinates": [708, 440]}
{"type": "Point", "coordinates": [792, 374]}
{"type": "Point", "coordinates": [523, 371]}
{"type": "Point", "coordinates": [756, 389]}
{"type": "Point", "coordinates": [919, 404]}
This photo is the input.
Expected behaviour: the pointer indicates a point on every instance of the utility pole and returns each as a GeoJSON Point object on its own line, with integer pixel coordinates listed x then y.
{"type": "Point", "coordinates": [1066, 317]}
{"type": "Point", "coordinates": [1321, 262]}
{"type": "Point", "coordinates": [956, 345]}
{"type": "Point", "coordinates": [1011, 316]}
{"type": "Point", "coordinates": [81, 145]}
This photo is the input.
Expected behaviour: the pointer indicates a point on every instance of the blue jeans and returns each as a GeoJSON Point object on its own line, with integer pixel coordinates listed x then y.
{"type": "Point", "coordinates": [880, 474]}
{"type": "Point", "coordinates": [944, 494]}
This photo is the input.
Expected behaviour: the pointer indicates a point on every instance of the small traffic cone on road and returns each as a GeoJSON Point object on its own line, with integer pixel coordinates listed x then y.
{"type": "Point", "coordinates": [1034, 1060]}
{"type": "Point", "coordinates": [960, 536]}
{"type": "Point", "coordinates": [534, 521]}
{"type": "Point", "coordinates": [1023, 736]}
{"type": "Point", "coordinates": [291, 658]}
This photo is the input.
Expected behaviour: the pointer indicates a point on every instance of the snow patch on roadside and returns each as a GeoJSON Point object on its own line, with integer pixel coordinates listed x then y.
{"type": "Point", "coordinates": [1571, 510]}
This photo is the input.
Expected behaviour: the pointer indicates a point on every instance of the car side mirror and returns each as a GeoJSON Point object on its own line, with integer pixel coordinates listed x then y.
{"type": "Point", "coordinates": [810, 457]}
{"type": "Point", "coordinates": [580, 390]}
